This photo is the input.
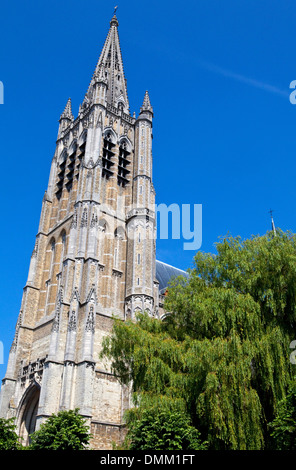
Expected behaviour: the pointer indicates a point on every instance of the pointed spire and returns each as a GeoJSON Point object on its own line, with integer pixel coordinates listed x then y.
{"type": "Point", "coordinates": [146, 106]}
{"type": "Point", "coordinates": [67, 113]}
{"type": "Point", "coordinates": [66, 118]}
{"type": "Point", "coordinates": [109, 69]}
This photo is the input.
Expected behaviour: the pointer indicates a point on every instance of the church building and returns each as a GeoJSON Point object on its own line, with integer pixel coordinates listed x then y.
{"type": "Point", "coordinates": [94, 258]}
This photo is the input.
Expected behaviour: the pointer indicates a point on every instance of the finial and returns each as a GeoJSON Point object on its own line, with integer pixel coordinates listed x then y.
{"type": "Point", "coordinates": [146, 106]}
{"type": "Point", "coordinates": [67, 113]}
{"type": "Point", "coordinates": [114, 20]}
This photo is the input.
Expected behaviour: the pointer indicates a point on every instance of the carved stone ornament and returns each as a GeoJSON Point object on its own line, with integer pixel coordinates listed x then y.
{"type": "Point", "coordinates": [91, 295]}
{"type": "Point", "coordinates": [94, 220]}
{"type": "Point", "coordinates": [91, 164]}
{"type": "Point", "coordinates": [72, 325]}
{"type": "Point", "coordinates": [75, 295]}
{"type": "Point", "coordinates": [90, 322]}
{"type": "Point", "coordinates": [116, 273]}
{"type": "Point", "coordinates": [32, 372]}
{"type": "Point", "coordinates": [84, 218]}
{"type": "Point", "coordinates": [56, 322]}
{"type": "Point", "coordinates": [74, 220]}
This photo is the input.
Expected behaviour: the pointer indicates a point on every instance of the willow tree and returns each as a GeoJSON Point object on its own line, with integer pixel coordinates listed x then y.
{"type": "Point", "coordinates": [222, 354]}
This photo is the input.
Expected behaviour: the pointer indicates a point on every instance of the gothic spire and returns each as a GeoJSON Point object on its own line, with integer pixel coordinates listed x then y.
{"type": "Point", "coordinates": [67, 113]}
{"type": "Point", "coordinates": [146, 106]}
{"type": "Point", "coordinates": [109, 69]}
{"type": "Point", "coordinates": [66, 118]}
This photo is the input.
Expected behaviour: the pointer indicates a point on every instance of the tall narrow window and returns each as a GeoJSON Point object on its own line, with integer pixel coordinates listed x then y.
{"type": "Point", "coordinates": [63, 251]}
{"type": "Point", "coordinates": [80, 152]}
{"type": "Point", "coordinates": [71, 167]}
{"type": "Point", "coordinates": [61, 175]}
{"type": "Point", "coordinates": [52, 259]}
{"type": "Point", "coordinates": [139, 258]}
{"type": "Point", "coordinates": [108, 154]}
{"type": "Point", "coordinates": [68, 169]}
{"type": "Point", "coordinates": [123, 163]}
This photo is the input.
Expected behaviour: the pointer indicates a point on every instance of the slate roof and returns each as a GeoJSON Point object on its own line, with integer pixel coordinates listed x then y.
{"type": "Point", "coordinates": [166, 272]}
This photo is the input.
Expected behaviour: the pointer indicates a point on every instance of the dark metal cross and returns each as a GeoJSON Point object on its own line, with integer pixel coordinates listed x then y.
{"type": "Point", "coordinates": [115, 10]}
{"type": "Point", "coordinates": [271, 212]}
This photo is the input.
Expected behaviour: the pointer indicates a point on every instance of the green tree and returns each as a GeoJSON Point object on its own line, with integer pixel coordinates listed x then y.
{"type": "Point", "coordinates": [224, 351]}
{"type": "Point", "coordinates": [8, 437]}
{"type": "Point", "coordinates": [283, 427]}
{"type": "Point", "coordinates": [65, 430]}
{"type": "Point", "coordinates": [161, 428]}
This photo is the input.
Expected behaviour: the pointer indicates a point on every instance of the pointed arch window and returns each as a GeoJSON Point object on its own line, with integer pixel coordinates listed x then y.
{"type": "Point", "coordinates": [80, 152]}
{"type": "Point", "coordinates": [61, 174]}
{"type": "Point", "coordinates": [63, 250]}
{"type": "Point", "coordinates": [28, 413]}
{"type": "Point", "coordinates": [108, 155]}
{"type": "Point", "coordinates": [123, 164]}
{"type": "Point", "coordinates": [71, 166]}
{"type": "Point", "coordinates": [52, 258]}
{"type": "Point", "coordinates": [70, 162]}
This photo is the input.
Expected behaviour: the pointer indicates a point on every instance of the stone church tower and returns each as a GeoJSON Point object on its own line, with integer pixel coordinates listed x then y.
{"type": "Point", "coordinates": [94, 258]}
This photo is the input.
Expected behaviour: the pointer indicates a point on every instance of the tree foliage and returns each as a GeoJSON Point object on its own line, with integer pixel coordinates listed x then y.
{"type": "Point", "coordinates": [65, 430]}
{"type": "Point", "coordinates": [162, 428]}
{"type": "Point", "coordinates": [8, 437]}
{"type": "Point", "coordinates": [223, 352]}
{"type": "Point", "coordinates": [283, 427]}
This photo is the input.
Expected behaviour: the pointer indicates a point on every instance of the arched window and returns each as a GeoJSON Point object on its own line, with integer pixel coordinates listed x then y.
{"type": "Point", "coordinates": [28, 413]}
{"type": "Point", "coordinates": [52, 248]}
{"type": "Point", "coordinates": [80, 152]}
{"type": "Point", "coordinates": [123, 163]}
{"type": "Point", "coordinates": [71, 165]}
{"type": "Point", "coordinates": [61, 174]}
{"type": "Point", "coordinates": [62, 240]}
{"type": "Point", "coordinates": [108, 154]}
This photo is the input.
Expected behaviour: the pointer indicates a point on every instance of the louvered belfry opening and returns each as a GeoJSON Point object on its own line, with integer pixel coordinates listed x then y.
{"type": "Point", "coordinates": [108, 155]}
{"type": "Point", "coordinates": [69, 168]}
{"type": "Point", "coordinates": [123, 163]}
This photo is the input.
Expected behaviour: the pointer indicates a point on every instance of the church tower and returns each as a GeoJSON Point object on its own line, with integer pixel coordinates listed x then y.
{"type": "Point", "coordinates": [94, 258]}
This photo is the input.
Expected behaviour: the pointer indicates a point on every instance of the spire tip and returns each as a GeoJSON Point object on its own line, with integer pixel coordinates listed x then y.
{"type": "Point", "coordinates": [146, 106]}
{"type": "Point", "coordinates": [114, 20]}
{"type": "Point", "coordinates": [67, 113]}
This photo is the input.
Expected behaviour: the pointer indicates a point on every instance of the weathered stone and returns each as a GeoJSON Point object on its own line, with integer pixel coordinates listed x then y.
{"type": "Point", "coordinates": [94, 257]}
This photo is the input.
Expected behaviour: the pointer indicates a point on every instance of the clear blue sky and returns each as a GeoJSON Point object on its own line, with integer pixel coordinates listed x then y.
{"type": "Point", "coordinates": [218, 74]}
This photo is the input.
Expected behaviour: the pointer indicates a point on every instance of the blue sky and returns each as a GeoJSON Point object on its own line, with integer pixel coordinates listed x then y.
{"type": "Point", "coordinates": [218, 74]}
